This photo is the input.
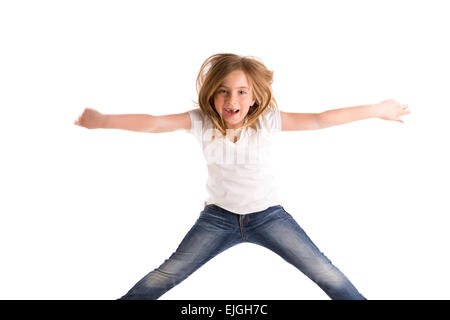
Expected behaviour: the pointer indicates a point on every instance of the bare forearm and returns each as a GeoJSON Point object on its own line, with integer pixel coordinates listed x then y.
{"type": "Point", "coordinates": [132, 122]}
{"type": "Point", "coordinates": [345, 115]}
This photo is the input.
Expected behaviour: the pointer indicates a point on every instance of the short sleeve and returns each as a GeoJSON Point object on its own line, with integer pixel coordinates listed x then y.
{"type": "Point", "coordinates": [197, 121]}
{"type": "Point", "coordinates": [272, 120]}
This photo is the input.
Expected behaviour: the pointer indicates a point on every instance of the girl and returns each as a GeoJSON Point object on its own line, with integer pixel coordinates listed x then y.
{"type": "Point", "coordinates": [236, 117]}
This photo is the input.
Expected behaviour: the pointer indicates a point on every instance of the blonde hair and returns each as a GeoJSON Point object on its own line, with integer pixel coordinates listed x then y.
{"type": "Point", "coordinates": [217, 67]}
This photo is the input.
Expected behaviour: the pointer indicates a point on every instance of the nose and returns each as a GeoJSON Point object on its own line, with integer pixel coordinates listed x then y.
{"type": "Point", "coordinates": [232, 99]}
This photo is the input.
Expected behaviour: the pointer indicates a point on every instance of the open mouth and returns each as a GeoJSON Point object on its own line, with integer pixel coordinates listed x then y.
{"type": "Point", "coordinates": [231, 111]}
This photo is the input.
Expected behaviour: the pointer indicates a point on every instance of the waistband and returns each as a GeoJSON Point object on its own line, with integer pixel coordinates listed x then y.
{"type": "Point", "coordinates": [220, 209]}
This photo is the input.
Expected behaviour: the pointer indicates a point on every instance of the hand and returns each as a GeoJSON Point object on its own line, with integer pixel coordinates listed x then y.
{"type": "Point", "coordinates": [91, 119]}
{"type": "Point", "coordinates": [391, 110]}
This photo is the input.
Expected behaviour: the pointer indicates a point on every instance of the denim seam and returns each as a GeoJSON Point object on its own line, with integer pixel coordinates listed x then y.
{"type": "Point", "coordinates": [241, 225]}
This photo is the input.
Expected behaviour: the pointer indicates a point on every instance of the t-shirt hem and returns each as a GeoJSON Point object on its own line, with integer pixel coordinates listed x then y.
{"type": "Point", "coordinates": [245, 210]}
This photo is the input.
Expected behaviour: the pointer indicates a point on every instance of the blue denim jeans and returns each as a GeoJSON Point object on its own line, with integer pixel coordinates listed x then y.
{"type": "Point", "coordinates": [217, 229]}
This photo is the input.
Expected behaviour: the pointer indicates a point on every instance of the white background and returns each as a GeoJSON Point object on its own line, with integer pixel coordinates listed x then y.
{"type": "Point", "coordinates": [85, 214]}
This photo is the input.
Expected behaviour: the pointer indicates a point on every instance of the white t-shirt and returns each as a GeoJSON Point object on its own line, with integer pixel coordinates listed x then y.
{"type": "Point", "coordinates": [240, 177]}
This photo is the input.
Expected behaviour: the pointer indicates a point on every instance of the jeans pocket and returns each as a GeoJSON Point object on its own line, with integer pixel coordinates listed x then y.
{"type": "Point", "coordinates": [212, 213]}
{"type": "Point", "coordinates": [284, 214]}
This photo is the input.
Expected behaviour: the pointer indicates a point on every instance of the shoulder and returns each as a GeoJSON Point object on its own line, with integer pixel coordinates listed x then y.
{"type": "Point", "coordinates": [200, 122]}
{"type": "Point", "coordinates": [199, 117]}
{"type": "Point", "coordinates": [196, 114]}
{"type": "Point", "coordinates": [271, 120]}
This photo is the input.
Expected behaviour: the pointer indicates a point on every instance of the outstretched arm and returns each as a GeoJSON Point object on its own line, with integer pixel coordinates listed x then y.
{"type": "Point", "coordinates": [387, 110]}
{"type": "Point", "coordinates": [92, 119]}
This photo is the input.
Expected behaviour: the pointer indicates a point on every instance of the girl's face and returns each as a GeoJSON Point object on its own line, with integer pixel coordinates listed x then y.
{"type": "Point", "coordinates": [233, 99]}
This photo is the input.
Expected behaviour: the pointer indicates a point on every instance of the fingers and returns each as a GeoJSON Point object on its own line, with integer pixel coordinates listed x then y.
{"type": "Point", "coordinates": [78, 121]}
{"type": "Point", "coordinates": [89, 118]}
{"type": "Point", "coordinates": [404, 110]}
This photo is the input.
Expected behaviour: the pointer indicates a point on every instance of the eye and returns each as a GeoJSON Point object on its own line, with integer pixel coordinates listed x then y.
{"type": "Point", "coordinates": [223, 91]}
{"type": "Point", "coordinates": [243, 92]}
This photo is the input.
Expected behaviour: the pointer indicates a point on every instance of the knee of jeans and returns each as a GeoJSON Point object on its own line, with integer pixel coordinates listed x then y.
{"type": "Point", "coordinates": [178, 266]}
{"type": "Point", "coordinates": [323, 271]}
{"type": "Point", "coordinates": [169, 273]}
